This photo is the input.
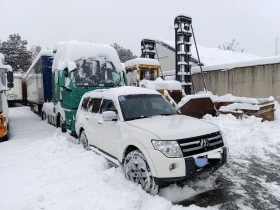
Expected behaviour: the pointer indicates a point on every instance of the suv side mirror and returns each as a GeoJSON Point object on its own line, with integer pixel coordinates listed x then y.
{"type": "Point", "coordinates": [109, 116]}
{"type": "Point", "coordinates": [10, 79]}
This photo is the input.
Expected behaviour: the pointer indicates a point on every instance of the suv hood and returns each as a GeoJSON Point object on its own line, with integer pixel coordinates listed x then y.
{"type": "Point", "coordinates": [175, 126]}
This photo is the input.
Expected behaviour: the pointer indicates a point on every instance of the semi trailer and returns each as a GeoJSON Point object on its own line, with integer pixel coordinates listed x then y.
{"type": "Point", "coordinates": [15, 94]}
{"type": "Point", "coordinates": [38, 80]}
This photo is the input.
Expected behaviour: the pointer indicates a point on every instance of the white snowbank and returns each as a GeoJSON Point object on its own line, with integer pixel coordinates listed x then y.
{"type": "Point", "coordinates": [213, 56]}
{"type": "Point", "coordinates": [69, 52]}
{"type": "Point", "coordinates": [160, 84]}
{"type": "Point", "coordinates": [41, 53]}
{"type": "Point", "coordinates": [235, 64]}
{"type": "Point", "coordinates": [48, 171]}
{"type": "Point", "coordinates": [139, 61]}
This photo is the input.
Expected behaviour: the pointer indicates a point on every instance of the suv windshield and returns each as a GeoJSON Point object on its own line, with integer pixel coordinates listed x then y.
{"type": "Point", "coordinates": [143, 106]}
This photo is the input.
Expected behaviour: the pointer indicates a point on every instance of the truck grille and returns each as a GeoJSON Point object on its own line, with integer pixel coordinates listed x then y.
{"type": "Point", "coordinates": [200, 144]}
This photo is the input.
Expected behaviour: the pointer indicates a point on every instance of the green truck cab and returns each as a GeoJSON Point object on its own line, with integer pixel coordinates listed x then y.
{"type": "Point", "coordinates": [79, 67]}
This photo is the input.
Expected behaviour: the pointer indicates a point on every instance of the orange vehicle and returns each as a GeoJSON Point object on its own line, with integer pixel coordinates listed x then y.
{"type": "Point", "coordinates": [6, 74]}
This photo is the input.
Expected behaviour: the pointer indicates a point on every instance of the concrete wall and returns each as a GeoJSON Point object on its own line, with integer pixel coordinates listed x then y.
{"type": "Point", "coordinates": [254, 81]}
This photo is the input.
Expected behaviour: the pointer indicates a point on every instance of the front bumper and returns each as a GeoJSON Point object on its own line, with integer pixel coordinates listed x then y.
{"type": "Point", "coordinates": [185, 167]}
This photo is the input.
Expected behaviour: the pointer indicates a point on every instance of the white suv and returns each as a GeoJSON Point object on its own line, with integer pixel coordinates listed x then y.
{"type": "Point", "coordinates": [138, 129]}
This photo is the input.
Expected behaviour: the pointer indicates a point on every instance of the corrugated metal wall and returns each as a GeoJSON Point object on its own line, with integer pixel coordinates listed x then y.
{"type": "Point", "coordinates": [259, 81]}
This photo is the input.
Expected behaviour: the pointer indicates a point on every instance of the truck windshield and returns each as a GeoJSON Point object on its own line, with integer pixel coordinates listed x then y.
{"type": "Point", "coordinates": [143, 106]}
{"type": "Point", "coordinates": [149, 74]}
{"type": "Point", "coordinates": [94, 72]}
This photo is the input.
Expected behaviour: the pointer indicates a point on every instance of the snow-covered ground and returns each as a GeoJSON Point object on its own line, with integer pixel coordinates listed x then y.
{"type": "Point", "coordinates": [41, 168]}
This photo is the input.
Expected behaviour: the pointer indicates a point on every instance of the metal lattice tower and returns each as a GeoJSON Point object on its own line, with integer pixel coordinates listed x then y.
{"type": "Point", "coordinates": [183, 34]}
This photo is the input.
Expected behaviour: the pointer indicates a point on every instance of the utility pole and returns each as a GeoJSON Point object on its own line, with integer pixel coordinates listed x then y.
{"type": "Point", "coordinates": [276, 46]}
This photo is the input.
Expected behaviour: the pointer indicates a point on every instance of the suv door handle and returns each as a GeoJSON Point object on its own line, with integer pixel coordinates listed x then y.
{"type": "Point", "coordinates": [100, 123]}
{"type": "Point", "coordinates": [87, 118]}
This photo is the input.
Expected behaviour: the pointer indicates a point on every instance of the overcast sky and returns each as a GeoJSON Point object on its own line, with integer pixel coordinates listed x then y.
{"type": "Point", "coordinates": [254, 23]}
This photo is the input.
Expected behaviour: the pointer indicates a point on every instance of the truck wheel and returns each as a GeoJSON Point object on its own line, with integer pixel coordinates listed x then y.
{"type": "Point", "coordinates": [57, 121]}
{"type": "Point", "coordinates": [43, 116]}
{"type": "Point", "coordinates": [62, 126]}
{"type": "Point", "coordinates": [137, 170]}
{"type": "Point", "coordinates": [83, 139]}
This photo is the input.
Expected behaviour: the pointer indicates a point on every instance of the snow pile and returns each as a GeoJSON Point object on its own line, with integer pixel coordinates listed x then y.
{"type": "Point", "coordinates": [213, 56]}
{"type": "Point", "coordinates": [236, 106]}
{"type": "Point", "coordinates": [41, 53]}
{"type": "Point", "coordinates": [189, 97]}
{"type": "Point", "coordinates": [56, 173]}
{"type": "Point", "coordinates": [143, 61]}
{"type": "Point", "coordinates": [160, 84]}
{"type": "Point", "coordinates": [69, 52]}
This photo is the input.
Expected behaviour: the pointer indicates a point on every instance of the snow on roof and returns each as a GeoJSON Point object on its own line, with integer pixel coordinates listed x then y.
{"type": "Point", "coordinates": [139, 61]}
{"type": "Point", "coordinates": [1, 56]}
{"type": "Point", "coordinates": [212, 56]}
{"type": "Point", "coordinates": [121, 91]}
{"type": "Point", "coordinates": [260, 61]}
{"type": "Point", "coordinates": [160, 84]}
{"type": "Point", "coordinates": [70, 51]}
{"type": "Point", "coordinates": [41, 53]}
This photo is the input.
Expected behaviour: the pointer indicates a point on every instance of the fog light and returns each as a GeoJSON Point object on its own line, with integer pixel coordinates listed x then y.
{"type": "Point", "coordinates": [172, 166]}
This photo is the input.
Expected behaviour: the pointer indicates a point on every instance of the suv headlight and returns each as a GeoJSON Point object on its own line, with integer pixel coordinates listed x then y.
{"type": "Point", "coordinates": [168, 148]}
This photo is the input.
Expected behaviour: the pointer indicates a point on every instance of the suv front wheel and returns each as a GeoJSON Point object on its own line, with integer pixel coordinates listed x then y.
{"type": "Point", "coordinates": [137, 170]}
{"type": "Point", "coordinates": [83, 139]}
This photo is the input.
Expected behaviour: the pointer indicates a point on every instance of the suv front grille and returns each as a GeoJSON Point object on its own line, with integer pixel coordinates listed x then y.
{"type": "Point", "coordinates": [200, 144]}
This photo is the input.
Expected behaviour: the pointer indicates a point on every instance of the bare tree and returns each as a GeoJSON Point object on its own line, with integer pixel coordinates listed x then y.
{"type": "Point", "coordinates": [35, 49]}
{"type": "Point", "coordinates": [232, 46]}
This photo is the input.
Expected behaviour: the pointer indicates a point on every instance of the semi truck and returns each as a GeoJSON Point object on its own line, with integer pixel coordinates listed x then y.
{"type": "Point", "coordinates": [15, 94]}
{"type": "Point", "coordinates": [38, 81]}
{"type": "Point", "coordinates": [79, 67]}
{"type": "Point", "coordinates": [6, 83]}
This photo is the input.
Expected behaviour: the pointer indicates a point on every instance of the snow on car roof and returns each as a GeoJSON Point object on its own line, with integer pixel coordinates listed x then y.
{"type": "Point", "coordinates": [121, 91]}
{"type": "Point", "coordinates": [70, 51]}
{"type": "Point", "coordinates": [138, 61]}
{"type": "Point", "coordinates": [211, 56]}
{"type": "Point", "coordinates": [41, 53]}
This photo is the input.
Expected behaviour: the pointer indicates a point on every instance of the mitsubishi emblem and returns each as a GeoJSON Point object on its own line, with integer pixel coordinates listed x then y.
{"type": "Point", "coordinates": [204, 143]}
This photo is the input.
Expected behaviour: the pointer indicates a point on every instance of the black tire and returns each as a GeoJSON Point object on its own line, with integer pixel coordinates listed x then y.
{"type": "Point", "coordinates": [43, 116]}
{"type": "Point", "coordinates": [62, 126]}
{"type": "Point", "coordinates": [136, 169]}
{"type": "Point", "coordinates": [83, 139]}
{"type": "Point", "coordinates": [57, 124]}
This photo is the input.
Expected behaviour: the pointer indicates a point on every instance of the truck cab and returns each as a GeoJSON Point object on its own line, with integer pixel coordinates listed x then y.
{"type": "Point", "coordinates": [141, 68]}
{"type": "Point", "coordinates": [6, 83]}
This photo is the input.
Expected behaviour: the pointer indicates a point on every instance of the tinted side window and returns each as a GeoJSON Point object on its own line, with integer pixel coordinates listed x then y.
{"type": "Point", "coordinates": [96, 105]}
{"type": "Point", "coordinates": [84, 104]}
{"type": "Point", "coordinates": [107, 105]}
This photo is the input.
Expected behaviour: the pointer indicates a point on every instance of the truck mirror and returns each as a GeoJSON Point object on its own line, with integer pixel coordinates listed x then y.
{"type": "Point", "coordinates": [10, 79]}
{"type": "Point", "coordinates": [66, 72]}
{"type": "Point", "coordinates": [10, 76]}
{"type": "Point", "coordinates": [10, 84]}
